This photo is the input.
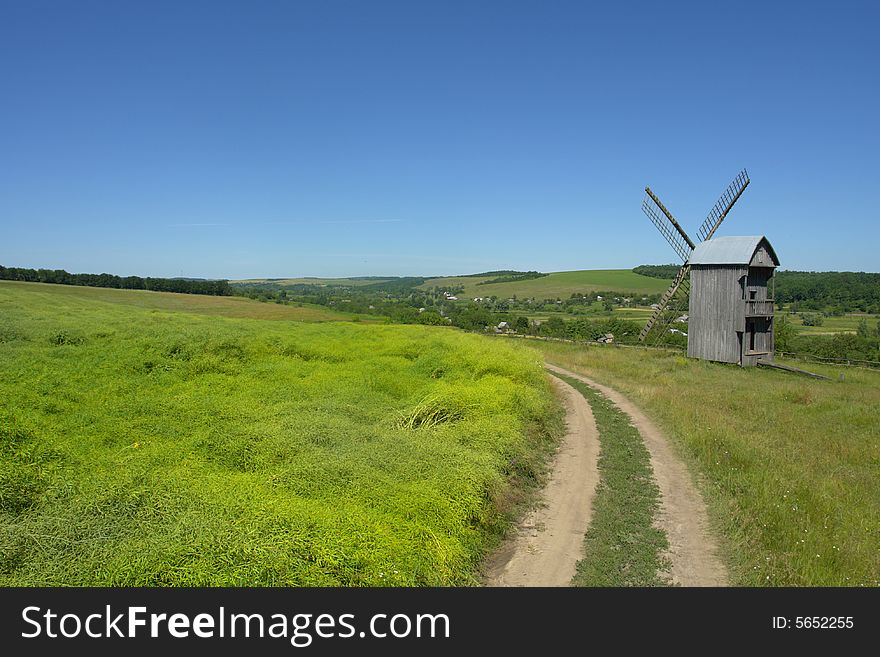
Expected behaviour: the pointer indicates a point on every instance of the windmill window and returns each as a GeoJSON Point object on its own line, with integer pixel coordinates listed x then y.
{"type": "Point", "coordinates": [753, 294]}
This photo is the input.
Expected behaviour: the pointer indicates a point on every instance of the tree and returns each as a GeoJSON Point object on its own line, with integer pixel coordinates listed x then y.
{"type": "Point", "coordinates": [784, 333]}
{"type": "Point", "coordinates": [521, 324]}
{"type": "Point", "coordinates": [553, 326]}
{"type": "Point", "coordinates": [862, 331]}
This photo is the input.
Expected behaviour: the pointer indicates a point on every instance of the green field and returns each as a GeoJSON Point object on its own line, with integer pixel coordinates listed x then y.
{"type": "Point", "coordinates": [558, 284]}
{"type": "Point", "coordinates": [831, 325]}
{"type": "Point", "coordinates": [789, 465]}
{"type": "Point", "coordinates": [200, 304]}
{"type": "Point", "coordinates": [307, 280]}
{"type": "Point", "coordinates": [143, 447]}
{"type": "Point", "coordinates": [633, 314]}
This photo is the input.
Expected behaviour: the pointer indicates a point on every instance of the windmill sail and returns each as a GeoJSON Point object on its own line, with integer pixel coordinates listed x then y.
{"type": "Point", "coordinates": [678, 239]}
{"type": "Point", "coordinates": [672, 311]}
{"type": "Point", "coordinates": [722, 206]}
{"type": "Point", "coordinates": [667, 310]}
{"type": "Point", "coordinates": [680, 285]}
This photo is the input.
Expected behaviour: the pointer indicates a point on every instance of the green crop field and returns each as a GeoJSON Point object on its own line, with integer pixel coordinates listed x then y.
{"type": "Point", "coordinates": [633, 314]}
{"type": "Point", "coordinates": [559, 284]}
{"type": "Point", "coordinates": [141, 446]}
{"type": "Point", "coordinates": [789, 465]}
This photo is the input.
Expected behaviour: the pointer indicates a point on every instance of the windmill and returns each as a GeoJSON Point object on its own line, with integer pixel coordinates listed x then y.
{"type": "Point", "coordinates": [672, 301]}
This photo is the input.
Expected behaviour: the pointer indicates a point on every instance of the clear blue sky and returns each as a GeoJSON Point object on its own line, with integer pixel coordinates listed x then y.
{"type": "Point", "coordinates": [334, 138]}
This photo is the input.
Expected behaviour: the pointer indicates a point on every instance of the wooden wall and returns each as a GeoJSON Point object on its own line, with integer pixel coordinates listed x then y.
{"type": "Point", "coordinates": [718, 326]}
{"type": "Point", "coordinates": [716, 312]}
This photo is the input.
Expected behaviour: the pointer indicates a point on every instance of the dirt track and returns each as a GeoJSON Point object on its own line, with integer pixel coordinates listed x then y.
{"type": "Point", "coordinates": [550, 540]}
{"type": "Point", "coordinates": [693, 551]}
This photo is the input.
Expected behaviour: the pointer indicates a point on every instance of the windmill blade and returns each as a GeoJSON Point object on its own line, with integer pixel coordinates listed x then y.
{"type": "Point", "coordinates": [722, 207]}
{"type": "Point", "coordinates": [677, 284]}
{"type": "Point", "coordinates": [677, 305]}
{"type": "Point", "coordinates": [678, 240]}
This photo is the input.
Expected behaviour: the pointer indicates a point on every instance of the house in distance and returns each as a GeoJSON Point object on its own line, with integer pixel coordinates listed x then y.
{"type": "Point", "coordinates": [731, 301]}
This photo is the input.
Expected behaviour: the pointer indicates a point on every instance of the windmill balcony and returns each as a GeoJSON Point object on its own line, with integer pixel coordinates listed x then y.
{"type": "Point", "coordinates": [759, 308]}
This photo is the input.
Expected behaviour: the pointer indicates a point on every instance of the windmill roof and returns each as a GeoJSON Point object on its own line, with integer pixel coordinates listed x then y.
{"type": "Point", "coordinates": [736, 250]}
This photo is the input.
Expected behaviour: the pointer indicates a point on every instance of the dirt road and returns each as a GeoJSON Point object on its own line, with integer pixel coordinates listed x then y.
{"type": "Point", "coordinates": [693, 551]}
{"type": "Point", "coordinates": [550, 540]}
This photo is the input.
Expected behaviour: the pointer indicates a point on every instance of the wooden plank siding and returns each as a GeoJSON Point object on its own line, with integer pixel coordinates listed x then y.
{"type": "Point", "coordinates": [731, 306]}
{"type": "Point", "coordinates": [727, 304]}
{"type": "Point", "coordinates": [716, 312]}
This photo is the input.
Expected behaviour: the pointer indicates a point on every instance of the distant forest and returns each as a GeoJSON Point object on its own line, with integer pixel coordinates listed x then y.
{"type": "Point", "coordinates": [59, 276]}
{"type": "Point", "coordinates": [657, 271]}
{"type": "Point", "coordinates": [494, 272]}
{"type": "Point", "coordinates": [514, 277]}
{"type": "Point", "coordinates": [833, 291]}
{"type": "Point", "coordinates": [845, 290]}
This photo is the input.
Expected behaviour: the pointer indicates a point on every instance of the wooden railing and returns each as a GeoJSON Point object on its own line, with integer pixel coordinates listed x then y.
{"type": "Point", "coordinates": [759, 308]}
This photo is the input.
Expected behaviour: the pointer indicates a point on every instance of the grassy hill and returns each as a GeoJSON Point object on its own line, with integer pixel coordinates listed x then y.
{"type": "Point", "coordinates": [558, 284]}
{"type": "Point", "coordinates": [329, 282]}
{"type": "Point", "coordinates": [61, 295]}
{"type": "Point", "coordinates": [143, 444]}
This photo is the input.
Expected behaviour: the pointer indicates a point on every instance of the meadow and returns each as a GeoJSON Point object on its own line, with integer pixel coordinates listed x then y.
{"type": "Point", "coordinates": [328, 282]}
{"type": "Point", "coordinates": [145, 447]}
{"type": "Point", "coordinates": [558, 284]}
{"type": "Point", "coordinates": [832, 325]}
{"type": "Point", "coordinates": [214, 306]}
{"type": "Point", "coordinates": [789, 465]}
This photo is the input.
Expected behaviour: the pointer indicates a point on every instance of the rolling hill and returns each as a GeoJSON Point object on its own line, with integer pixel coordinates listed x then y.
{"type": "Point", "coordinates": [142, 447]}
{"type": "Point", "coordinates": [357, 281]}
{"type": "Point", "coordinates": [197, 304]}
{"type": "Point", "coordinates": [557, 284]}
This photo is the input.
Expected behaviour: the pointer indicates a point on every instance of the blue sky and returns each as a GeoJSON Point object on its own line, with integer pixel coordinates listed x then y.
{"type": "Point", "coordinates": [336, 138]}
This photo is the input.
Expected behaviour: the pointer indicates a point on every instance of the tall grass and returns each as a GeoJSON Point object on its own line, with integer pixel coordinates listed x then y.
{"type": "Point", "coordinates": [142, 447]}
{"type": "Point", "coordinates": [789, 465]}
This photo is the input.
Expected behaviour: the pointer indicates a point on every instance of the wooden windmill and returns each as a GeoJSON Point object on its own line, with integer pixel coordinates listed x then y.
{"type": "Point", "coordinates": [674, 300]}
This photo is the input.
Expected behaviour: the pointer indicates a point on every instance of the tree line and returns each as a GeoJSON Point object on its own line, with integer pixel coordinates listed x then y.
{"type": "Point", "coordinates": [514, 277]}
{"type": "Point", "coordinates": [62, 277]}
{"type": "Point", "coordinates": [833, 291]}
{"type": "Point", "coordinates": [657, 271]}
{"type": "Point", "coordinates": [842, 291]}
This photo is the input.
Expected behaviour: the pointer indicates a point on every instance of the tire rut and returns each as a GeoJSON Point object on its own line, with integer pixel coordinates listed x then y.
{"type": "Point", "coordinates": [549, 541]}
{"type": "Point", "coordinates": [693, 551]}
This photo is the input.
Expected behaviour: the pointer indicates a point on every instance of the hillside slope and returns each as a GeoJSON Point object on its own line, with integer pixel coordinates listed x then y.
{"type": "Point", "coordinates": [140, 447]}
{"type": "Point", "coordinates": [558, 284]}
{"type": "Point", "coordinates": [199, 304]}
